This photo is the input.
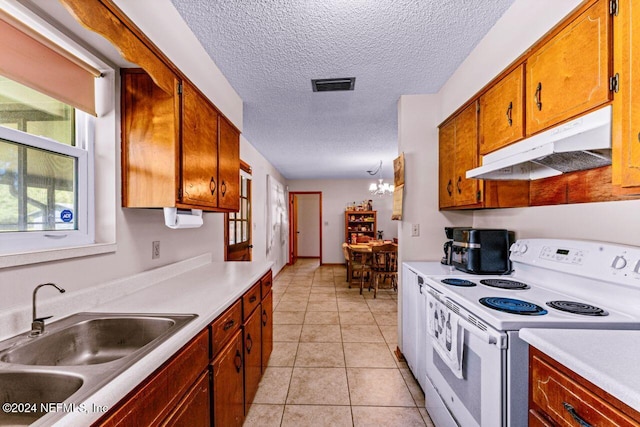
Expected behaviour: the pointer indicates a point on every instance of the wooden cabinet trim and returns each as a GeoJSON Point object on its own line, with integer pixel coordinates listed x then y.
{"type": "Point", "coordinates": [552, 385]}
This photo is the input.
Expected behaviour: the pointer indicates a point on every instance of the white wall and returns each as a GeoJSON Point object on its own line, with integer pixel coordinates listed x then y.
{"type": "Point", "coordinates": [418, 119]}
{"type": "Point", "coordinates": [308, 225]}
{"type": "Point", "coordinates": [137, 228]}
{"type": "Point", "coordinates": [336, 195]}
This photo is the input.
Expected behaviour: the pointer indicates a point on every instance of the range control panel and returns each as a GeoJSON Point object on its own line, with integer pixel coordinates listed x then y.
{"type": "Point", "coordinates": [597, 260]}
{"type": "Point", "coordinates": [566, 255]}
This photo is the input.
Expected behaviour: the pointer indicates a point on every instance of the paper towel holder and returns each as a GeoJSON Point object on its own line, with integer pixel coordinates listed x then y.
{"type": "Point", "coordinates": [183, 218]}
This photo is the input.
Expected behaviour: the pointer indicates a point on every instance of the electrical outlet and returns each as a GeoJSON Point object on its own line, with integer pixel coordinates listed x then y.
{"type": "Point", "coordinates": [415, 230]}
{"type": "Point", "coordinates": [155, 249]}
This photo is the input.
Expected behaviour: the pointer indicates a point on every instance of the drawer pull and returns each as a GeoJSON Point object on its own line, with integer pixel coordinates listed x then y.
{"type": "Point", "coordinates": [229, 325]}
{"type": "Point", "coordinates": [571, 410]}
{"type": "Point", "coordinates": [253, 299]}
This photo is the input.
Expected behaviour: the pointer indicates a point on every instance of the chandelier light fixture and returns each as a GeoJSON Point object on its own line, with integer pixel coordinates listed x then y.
{"type": "Point", "coordinates": [380, 188]}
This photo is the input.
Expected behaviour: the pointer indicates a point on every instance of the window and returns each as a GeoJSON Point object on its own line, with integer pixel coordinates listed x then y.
{"type": "Point", "coordinates": [45, 177]}
{"type": "Point", "coordinates": [238, 224]}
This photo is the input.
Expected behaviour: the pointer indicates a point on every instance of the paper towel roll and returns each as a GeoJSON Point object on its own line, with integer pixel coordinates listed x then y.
{"type": "Point", "coordinates": [182, 219]}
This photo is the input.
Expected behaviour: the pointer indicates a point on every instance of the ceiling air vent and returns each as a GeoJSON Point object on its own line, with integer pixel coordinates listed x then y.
{"type": "Point", "coordinates": [331, 85]}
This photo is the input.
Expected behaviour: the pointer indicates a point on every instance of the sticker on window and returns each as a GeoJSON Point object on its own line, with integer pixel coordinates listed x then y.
{"type": "Point", "coordinates": [66, 215]}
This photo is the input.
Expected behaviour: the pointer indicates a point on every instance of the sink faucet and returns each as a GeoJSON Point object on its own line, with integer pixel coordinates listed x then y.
{"type": "Point", "coordinates": [37, 324]}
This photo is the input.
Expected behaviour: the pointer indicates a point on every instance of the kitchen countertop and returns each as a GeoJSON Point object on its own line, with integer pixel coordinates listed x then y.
{"type": "Point", "coordinates": [607, 358]}
{"type": "Point", "coordinates": [206, 291]}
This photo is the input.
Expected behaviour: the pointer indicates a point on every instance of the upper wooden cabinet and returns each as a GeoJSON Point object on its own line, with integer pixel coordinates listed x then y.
{"type": "Point", "coordinates": [458, 152]}
{"type": "Point", "coordinates": [228, 166]}
{"type": "Point", "coordinates": [626, 109]}
{"type": "Point", "coordinates": [199, 149]}
{"type": "Point", "coordinates": [569, 73]}
{"type": "Point", "coordinates": [177, 150]}
{"type": "Point", "coordinates": [150, 135]}
{"type": "Point", "coordinates": [502, 112]}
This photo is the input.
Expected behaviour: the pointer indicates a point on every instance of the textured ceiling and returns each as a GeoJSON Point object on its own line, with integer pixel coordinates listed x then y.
{"type": "Point", "coordinates": [271, 49]}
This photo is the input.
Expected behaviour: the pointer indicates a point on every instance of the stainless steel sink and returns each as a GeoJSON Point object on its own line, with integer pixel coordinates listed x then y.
{"type": "Point", "coordinates": [90, 342]}
{"type": "Point", "coordinates": [75, 357]}
{"type": "Point", "coordinates": [29, 393]}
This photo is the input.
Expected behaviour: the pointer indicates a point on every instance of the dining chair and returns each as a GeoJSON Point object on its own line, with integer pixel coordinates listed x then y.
{"type": "Point", "coordinates": [360, 260]}
{"type": "Point", "coordinates": [347, 260]}
{"type": "Point", "coordinates": [384, 265]}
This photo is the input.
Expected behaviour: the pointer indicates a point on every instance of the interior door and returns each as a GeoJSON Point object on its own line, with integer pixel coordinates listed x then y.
{"type": "Point", "coordinates": [294, 229]}
{"type": "Point", "coordinates": [238, 225]}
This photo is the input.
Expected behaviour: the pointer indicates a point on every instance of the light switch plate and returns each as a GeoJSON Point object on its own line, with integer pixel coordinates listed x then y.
{"type": "Point", "coordinates": [155, 249]}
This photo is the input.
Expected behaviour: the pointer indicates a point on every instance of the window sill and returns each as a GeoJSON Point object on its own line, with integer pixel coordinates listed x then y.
{"type": "Point", "coordinates": [35, 257]}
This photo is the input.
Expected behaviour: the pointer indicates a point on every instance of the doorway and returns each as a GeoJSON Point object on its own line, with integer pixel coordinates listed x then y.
{"type": "Point", "coordinates": [305, 212]}
{"type": "Point", "coordinates": [238, 225]}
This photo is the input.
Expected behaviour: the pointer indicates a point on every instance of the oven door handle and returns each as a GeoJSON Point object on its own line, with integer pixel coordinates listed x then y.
{"type": "Point", "coordinates": [468, 326]}
{"type": "Point", "coordinates": [484, 336]}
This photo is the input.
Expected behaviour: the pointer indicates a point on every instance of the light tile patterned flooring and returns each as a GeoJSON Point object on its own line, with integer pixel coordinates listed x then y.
{"type": "Point", "coordinates": [333, 361]}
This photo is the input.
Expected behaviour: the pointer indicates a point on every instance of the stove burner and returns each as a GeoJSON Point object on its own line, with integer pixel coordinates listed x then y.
{"type": "Point", "coordinates": [513, 306]}
{"type": "Point", "coordinates": [577, 308]}
{"type": "Point", "coordinates": [458, 282]}
{"type": "Point", "coordinates": [504, 284]}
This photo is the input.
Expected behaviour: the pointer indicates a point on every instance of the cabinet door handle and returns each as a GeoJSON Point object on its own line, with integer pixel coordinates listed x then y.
{"type": "Point", "coordinates": [249, 343]}
{"type": "Point", "coordinates": [229, 325]}
{"type": "Point", "coordinates": [238, 361]}
{"type": "Point", "coordinates": [264, 317]}
{"type": "Point", "coordinates": [571, 410]}
{"type": "Point", "coordinates": [509, 110]}
{"type": "Point", "coordinates": [223, 188]}
{"type": "Point", "coordinates": [538, 96]}
{"type": "Point", "coordinates": [212, 186]}
{"type": "Point", "coordinates": [458, 185]}
{"type": "Point", "coordinates": [449, 188]}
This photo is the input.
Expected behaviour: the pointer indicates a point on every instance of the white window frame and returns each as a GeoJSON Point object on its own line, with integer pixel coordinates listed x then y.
{"type": "Point", "coordinates": [27, 241]}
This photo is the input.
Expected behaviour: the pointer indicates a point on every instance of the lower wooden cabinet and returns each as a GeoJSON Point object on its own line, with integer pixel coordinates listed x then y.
{"type": "Point", "coordinates": [558, 396]}
{"type": "Point", "coordinates": [157, 398]}
{"type": "Point", "coordinates": [194, 409]}
{"type": "Point", "coordinates": [213, 379]}
{"type": "Point", "coordinates": [252, 332]}
{"type": "Point", "coordinates": [267, 329]}
{"type": "Point", "coordinates": [228, 385]}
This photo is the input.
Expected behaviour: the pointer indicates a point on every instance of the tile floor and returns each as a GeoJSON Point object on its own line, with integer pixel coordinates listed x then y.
{"type": "Point", "coordinates": [333, 361]}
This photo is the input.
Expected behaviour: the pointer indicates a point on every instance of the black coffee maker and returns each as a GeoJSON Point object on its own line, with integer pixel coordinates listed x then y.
{"type": "Point", "coordinates": [448, 245]}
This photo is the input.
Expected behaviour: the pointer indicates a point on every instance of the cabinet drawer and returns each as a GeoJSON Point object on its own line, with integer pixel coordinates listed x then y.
{"type": "Point", "coordinates": [564, 400]}
{"type": "Point", "coordinates": [266, 282]}
{"type": "Point", "coordinates": [223, 328]}
{"type": "Point", "coordinates": [250, 300]}
{"type": "Point", "coordinates": [184, 370]}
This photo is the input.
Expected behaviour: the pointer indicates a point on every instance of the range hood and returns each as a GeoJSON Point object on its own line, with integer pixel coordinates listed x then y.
{"type": "Point", "coordinates": [583, 143]}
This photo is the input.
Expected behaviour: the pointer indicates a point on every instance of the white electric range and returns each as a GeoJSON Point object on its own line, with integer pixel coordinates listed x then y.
{"type": "Point", "coordinates": [476, 365]}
